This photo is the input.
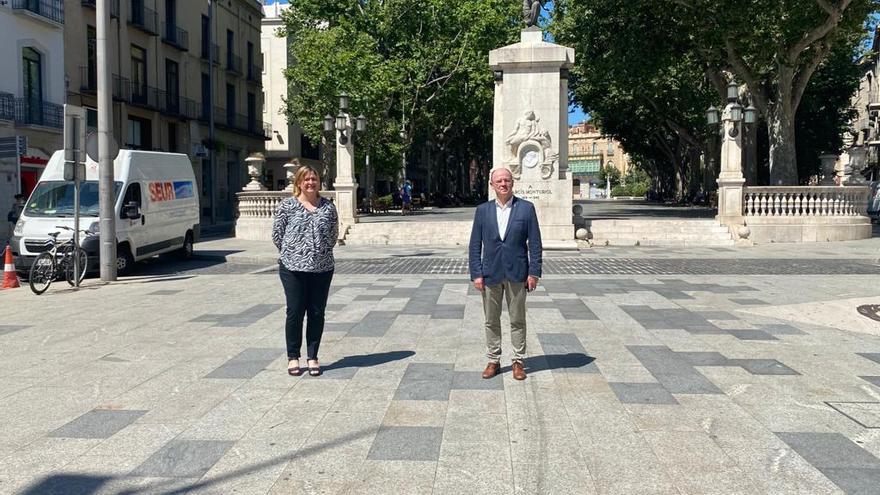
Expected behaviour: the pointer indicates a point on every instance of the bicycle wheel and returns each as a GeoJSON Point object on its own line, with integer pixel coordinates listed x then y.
{"type": "Point", "coordinates": [69, 265]}
{"type": "Point", "coordinates": [42, 272]}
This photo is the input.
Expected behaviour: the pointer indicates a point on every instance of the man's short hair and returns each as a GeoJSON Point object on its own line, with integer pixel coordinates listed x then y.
{"type": "Point", "coordinates": [492, 173]}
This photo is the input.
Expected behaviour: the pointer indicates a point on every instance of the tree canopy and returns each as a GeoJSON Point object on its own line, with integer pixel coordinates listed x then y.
{"type": "Point", "coordinates": [418, 69]}
{"type": "Point", "coordinates": [684, 48]}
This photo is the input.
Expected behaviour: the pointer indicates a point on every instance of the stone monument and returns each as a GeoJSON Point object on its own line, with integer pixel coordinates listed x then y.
{"type": "Point", "coordinates": [530, 128]}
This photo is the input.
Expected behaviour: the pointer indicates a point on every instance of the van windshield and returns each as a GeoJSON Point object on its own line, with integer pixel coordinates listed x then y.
{"type": "Point", "coordinates": [55, 199]}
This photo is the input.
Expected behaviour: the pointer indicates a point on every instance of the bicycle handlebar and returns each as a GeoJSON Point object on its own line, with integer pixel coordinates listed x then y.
{"type": "Point", "coordinates": [70, 228]}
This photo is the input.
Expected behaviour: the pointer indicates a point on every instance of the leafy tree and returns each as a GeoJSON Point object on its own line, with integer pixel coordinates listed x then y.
{"type": "Point", "coordinates": [825, 113]}
{"type": "Point", "coordinates": [640, 83]}
{"type": "Point", "coordinates": [774, 46]}
{"type": "Point", "coordinates": [418, 69]}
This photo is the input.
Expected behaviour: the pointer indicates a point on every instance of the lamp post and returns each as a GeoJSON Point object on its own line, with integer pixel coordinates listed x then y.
{"type": "Point", "coordinates": [730, 179]}
{"type": "Point", "coordinates": [344, 126]}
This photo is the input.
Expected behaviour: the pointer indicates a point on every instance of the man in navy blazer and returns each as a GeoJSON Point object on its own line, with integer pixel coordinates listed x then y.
{"type": "Point", "coordinates": [505, 262]}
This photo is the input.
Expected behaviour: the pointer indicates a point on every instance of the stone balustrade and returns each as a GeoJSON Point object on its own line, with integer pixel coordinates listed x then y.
{"type": "Point", "coordinates": [804, 201]}
{"type": "Point", "coordinates": [806, 213]}
{"type": "Point", "coordinates": [256, 211]}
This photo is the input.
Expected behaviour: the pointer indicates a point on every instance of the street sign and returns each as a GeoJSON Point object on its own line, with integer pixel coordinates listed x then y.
{"type": "Point", "coordinates": [92, 147]}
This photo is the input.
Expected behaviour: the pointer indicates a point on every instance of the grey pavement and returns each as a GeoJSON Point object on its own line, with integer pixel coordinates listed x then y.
{"type": "Point", "coordinates": [173, 380]}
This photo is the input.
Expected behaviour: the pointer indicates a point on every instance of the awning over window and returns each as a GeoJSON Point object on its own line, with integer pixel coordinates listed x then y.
{"type": "Point", "coordinates": [591, 166]}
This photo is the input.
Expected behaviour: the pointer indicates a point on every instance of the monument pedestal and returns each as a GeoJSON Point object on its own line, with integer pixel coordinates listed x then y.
{"type": "Point", "coordinates": [531, 130]}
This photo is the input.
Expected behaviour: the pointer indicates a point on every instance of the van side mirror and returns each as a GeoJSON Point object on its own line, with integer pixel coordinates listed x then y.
{"type": "Point", "coordinates": [131, 210]}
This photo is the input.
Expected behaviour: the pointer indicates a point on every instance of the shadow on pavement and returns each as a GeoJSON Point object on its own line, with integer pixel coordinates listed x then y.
{"type": "Point", "coordinates": [552, 362]}
{"type": "Point", "coordinates": [89, 484]}
{"type": "Point", "coordinates": [159, 266]}
{"type": "Point", "coordinates": [366, 360]}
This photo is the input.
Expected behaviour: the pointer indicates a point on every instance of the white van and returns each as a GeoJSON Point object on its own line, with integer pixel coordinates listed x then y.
{"type": "Point", "coordinates": [156, 208]}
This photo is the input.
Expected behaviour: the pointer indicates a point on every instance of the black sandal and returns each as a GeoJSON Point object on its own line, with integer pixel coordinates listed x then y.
{"type": "Point", "coordinates": [315, 371]}
{"type": "Point", "coordinates": [294, 370]}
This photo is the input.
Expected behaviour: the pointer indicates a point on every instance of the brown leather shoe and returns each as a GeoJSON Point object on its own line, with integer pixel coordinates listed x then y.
{"type": "Point", "coordinates": [519, 372]}
{"type": "Point", "coordinates": [491, 370]}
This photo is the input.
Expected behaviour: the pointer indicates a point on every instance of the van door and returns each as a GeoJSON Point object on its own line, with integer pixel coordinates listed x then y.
{"type": "Point", "coordinates": [134, 229]}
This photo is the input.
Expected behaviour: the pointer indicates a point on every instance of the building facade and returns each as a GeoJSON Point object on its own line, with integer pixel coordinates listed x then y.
{"type": "Point", "coordinates": [186, 78]}
{"type": "Point", "coordinates": [589, 151]}
{"type": "Point", "coordinates": [287, 143]}
{"type": "Point", "coordinates": [31, 93]}
{"type": "Point", "coordinates": [860, 154]}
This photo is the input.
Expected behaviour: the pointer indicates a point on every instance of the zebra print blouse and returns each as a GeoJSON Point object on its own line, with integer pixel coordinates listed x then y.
{"type": "Point", "coordinates": [305, 239]}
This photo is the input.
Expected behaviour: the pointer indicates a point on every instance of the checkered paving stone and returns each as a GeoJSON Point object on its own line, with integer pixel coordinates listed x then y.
{"type": "Point", "coordinates": [245, 318]}
{"type": "Point", "coordinates": [402, 408]}
{"type": "Point", "coordinates": [677, 373]}
{"type": "Point", "coordinates": [850, 467]}
{"type": "Point", "coordinates": [183, 459]}
{"type": "Point", "coordinates": [696, 323]}
{"type": "Point", "coordinates": [562, 352]}
{"type": "Point", "coordinates": [873, 380]}
{"type": "Point", "coordinates": [622, 266]}
{"type": "Point", "coordinates": [247, 364]}
{"type": "Point", "coordinates": [875, 356]}
{"type": "Point", "coordinates": [97, 424]}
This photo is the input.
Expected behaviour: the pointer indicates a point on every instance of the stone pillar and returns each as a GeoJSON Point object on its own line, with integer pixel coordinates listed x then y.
{"type": "Point", "coordinates": [255, 171]}
{"type": "Point", "coordinates": [530, 129]}
{"type": "Point", "coordinates": [730, 179]}
{"type": "Point", "coordinates": [829, 174]}
{"type": "Point", "coordinates": [345, 186]}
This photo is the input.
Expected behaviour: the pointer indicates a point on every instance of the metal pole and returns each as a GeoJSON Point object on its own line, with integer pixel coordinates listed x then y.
{"type": "Point", "coordinates": [106, 196]}
{"type": "Point", "coordinates": [79, 151]}
{"type": "Point", "coordinates": [212, 159]}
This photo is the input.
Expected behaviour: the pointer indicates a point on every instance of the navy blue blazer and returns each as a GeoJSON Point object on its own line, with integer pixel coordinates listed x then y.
{"type": "Point", "coordinates": [517, 256]}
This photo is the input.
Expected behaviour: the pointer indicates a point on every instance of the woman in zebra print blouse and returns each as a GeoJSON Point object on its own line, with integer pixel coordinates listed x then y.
{"type": "Point", "coordinates": [305, 231]}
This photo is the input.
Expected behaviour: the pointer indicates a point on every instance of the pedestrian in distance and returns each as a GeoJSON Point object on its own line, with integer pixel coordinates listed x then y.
{"type": "Point", "coordinates": [505, 258]}
{"type": "Point", "coordinates": [13, 214]}
{"type": "Point", "coordinates": [305, 231]}
{"type": "Point", "coordinates": [406, 197]}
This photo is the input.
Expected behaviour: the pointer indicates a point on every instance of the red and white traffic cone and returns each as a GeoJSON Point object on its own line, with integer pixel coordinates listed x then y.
{"type": "Point", "coordinates": [10, 279]}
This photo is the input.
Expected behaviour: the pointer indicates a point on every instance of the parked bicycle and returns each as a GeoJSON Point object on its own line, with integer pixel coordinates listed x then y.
{"type": "Point", "coordinates": [58, 261]}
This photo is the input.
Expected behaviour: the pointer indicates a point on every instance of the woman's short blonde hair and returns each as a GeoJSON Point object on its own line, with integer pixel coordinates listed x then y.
{"type": "Point", "coordinates": [300, 176]}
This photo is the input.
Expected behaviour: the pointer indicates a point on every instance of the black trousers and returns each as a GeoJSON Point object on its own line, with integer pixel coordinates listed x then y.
{"type": "Point", "coordinates": [306, 293]}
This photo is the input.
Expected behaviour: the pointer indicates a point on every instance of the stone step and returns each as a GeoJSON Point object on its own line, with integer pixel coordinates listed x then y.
{"type": "Point", "coordinates": [685, 230]}
{"type": "Point", "coordinates": [409, 233]}
{"type": "Point", "coordinates": [662, 242]}
{"type": "Point", "coordinates": [652, 221]}
{"type": "Point", "coordinates": [659, 232]}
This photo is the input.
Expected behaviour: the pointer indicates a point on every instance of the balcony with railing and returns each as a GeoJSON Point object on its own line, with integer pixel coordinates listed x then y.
{"type": "Point", "coordinates": [175, 36]}
{"type": "Point", "coordinates": [233, 63]}
{"type": "Point", "coordinates": [48, 11]}
{"type": "Point", "coordinates": [255, 74]}
{"type": "Point", "coordinates": [214, 52]}
{"type": "Point", "coordinates": [30, 112]}
{"type": "Point", "coordinates": [7, 106]}
{"type": "Point", "coordinates": [224, 118]}
{"type": "Point", "coordinates": [145, 19]}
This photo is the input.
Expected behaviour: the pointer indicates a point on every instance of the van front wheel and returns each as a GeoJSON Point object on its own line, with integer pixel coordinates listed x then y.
{"type": "Point", "coordinates": [124, 260]}
{"type": "Point", "coordinates": [186, 251]}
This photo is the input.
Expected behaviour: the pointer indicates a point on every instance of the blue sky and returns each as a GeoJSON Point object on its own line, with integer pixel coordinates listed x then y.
{"type": "Point", "coordinates": [576, 115]}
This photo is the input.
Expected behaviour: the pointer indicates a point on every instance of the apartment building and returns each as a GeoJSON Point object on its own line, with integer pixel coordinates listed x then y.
{"type": "Point", "coordinates": [178, 66]}
{"type": "Point", "coordinates": [31, 93]}
{"type": "Point", "coordinates": [589, 151]}
{"type": "Point", "coordinates": [287, 143]}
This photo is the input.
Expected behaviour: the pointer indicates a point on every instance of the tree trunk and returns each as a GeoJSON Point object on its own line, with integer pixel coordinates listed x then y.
{"type": "Point", "coordinates": [780, 130]}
